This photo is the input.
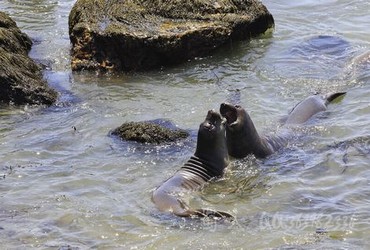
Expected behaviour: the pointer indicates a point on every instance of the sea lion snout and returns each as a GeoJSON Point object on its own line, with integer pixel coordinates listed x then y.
{"type": "Point", "coordinates": [213, 116]}
{"type": "Point", "coordinates": [212, 121]}
{"type": "Point", "coordinates": [230, 112]}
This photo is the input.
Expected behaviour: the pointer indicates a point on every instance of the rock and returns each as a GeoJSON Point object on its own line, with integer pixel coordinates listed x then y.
{"type": "Point", "coordinates": [140, 35]}
{"type": "Point", "coordinates": [148, 132]}
{"type": "Point", "coordinates": [21, 79]}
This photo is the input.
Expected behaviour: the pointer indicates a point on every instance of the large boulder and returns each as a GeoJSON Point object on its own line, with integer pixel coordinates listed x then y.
{"type": "Point", "coordinates": [21, 80]}
{"type": "Point", "coordinates": [139, 34]}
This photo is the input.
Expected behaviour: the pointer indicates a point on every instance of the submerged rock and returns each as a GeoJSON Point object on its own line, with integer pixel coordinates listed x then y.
{"type": "Point", "coordinates": [21, 79]}
{"type": "Point", "coordinates": [148, 132]}
{"type": "Point", "coordinates": [139, 35]}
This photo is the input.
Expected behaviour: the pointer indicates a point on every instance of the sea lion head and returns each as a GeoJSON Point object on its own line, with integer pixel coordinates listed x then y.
{"type": "Point", "coordinates": [241, 134]}
{"type": "Point", "coordinates": [211, 142]}
{"type": "Point", "coordinates": [235, 116]}
{"type": "Point", "coordinates": [213, 126]}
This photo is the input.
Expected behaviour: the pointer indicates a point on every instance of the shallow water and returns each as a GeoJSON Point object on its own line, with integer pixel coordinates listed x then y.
{"type": "Point", "coordinates": [66, 184]}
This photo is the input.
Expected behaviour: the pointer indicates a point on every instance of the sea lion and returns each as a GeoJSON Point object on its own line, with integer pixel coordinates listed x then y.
{"type": "Point", "coordinates": [243, 139]}
{"type": "Point", "coordinates": [209, 161]}
{"type": "Point", "coordinates": [310, 106]}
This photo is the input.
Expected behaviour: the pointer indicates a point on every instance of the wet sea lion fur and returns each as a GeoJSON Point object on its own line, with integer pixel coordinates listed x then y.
{"type": "Point", "coordinates": [208, 162]}
{"type": "Point", "coordinates": [243, 139]}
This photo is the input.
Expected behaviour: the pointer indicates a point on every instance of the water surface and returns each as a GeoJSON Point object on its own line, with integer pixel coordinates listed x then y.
{"type": "Point", "coordinates": [66, 184]}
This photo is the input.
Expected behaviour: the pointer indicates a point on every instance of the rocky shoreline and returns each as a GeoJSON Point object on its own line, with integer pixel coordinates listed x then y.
{"type": "Point", "coordinates": [128, 36]}
{"type": "Point", "coordinates": [21, 80]}
{"type": "Point", "coordinates": [131, 35]}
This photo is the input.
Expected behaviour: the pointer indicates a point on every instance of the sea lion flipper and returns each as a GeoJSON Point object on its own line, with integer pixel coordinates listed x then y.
{"type": "Point", "coordinates": [332, 96]}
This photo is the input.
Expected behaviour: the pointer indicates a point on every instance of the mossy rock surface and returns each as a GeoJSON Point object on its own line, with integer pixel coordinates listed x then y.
{"type": "Point", "coordinates": [21, 80]}
{"type": "Point", "coordinates": [139, 35]}
{"type": "Point", "coordinates": [147, 132]}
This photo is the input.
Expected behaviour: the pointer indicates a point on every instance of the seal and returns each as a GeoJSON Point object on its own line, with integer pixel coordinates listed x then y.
{"type": "Point", "coordinates": [310, 106]}
{"type": "Point", "coordinates": [208, 162]}
{"type": "Point", "coordinates": [243, 139]}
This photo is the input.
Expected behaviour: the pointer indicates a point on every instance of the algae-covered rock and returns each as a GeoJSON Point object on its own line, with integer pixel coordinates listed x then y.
{"type": "Point", "coordinates": [21, 79]}
{"type": "Point", "coordinates": [148, 132]}
{"type": "Point", "coordinates": [139, 35]}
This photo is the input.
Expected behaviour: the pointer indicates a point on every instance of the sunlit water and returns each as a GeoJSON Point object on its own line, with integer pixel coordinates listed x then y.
{"type": "Point", "coordinates": [66, 184]}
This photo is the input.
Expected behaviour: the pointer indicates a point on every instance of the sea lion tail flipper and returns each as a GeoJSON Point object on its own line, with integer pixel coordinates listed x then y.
{"type": "Point", "coordinates": [332, 96]}
{"type": "Point", "coordinates": [213, 214]}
